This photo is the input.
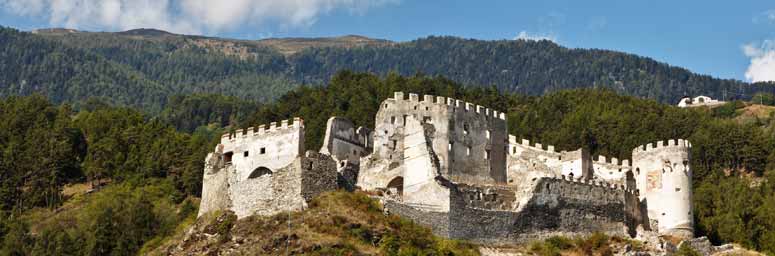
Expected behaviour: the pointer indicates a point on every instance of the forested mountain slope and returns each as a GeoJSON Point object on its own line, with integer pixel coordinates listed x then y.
{"type": "Point", "coordinates": [264, 69]}
{"type": "Point", "coordinates": [29, 64]}
{"type": "Point", "coordinates": [152, 172]}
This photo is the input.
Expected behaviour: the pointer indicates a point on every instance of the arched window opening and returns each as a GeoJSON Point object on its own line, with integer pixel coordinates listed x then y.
{"type": "Point", "coordinates": [260, 171]}
{"type": "Point", "coordinates": [396, 184]}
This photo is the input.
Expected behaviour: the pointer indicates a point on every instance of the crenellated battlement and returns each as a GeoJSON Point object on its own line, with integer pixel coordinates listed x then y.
{"type": "Point", "coordinates": [613, 161]}
{"type": "Point", "coordinates": [590, 182]}
{"type": "Point", "coordinates": [536, 146]}
{"type": "Point", "coordinates": [451, 102]}
{"type": "Point", "coordinates": [663, 145]}
{"type": "Point", "coordinates": [261, 130]}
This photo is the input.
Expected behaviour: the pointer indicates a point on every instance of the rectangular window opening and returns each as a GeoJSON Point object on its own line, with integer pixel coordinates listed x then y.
{"type": "Point", "coordinates": [227, 157]}
{"type": "Point", "coordinates": [262, 151]}
{"type": "Point", "coordinates": [245, 154]}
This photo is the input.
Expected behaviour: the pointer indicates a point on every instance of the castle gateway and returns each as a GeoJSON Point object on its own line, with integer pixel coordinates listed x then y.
{"type": "Point", "coordinates": [451, 165]}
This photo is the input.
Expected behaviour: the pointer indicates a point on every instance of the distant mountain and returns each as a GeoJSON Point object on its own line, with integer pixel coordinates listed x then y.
{"type": "Point", "coordinates": [261, 70]}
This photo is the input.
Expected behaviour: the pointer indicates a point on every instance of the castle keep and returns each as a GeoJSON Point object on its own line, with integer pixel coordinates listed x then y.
{"type": "Point", "coordinates": [452, 166]}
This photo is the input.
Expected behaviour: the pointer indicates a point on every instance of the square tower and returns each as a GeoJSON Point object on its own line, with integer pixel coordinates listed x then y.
{"type": "Point", "coordinates": [470, 141]}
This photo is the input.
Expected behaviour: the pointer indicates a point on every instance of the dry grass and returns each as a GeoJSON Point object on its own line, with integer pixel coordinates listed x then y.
{"type": "Point", "coordinates": [337, 223]}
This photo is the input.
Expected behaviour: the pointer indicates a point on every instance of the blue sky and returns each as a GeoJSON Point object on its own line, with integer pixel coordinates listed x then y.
{"type": "Point", "coordinates": [726, 39]}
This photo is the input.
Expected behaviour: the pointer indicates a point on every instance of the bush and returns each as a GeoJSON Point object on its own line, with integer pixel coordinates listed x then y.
{"type": "Point", "coordinates": [686, 250]}
{"type": "Point", "coordinates": [544, 249]}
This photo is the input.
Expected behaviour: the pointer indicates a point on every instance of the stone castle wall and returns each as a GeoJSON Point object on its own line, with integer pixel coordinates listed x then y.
{"type": "Point", "coordinates": [450, 165]}
{"type": "Point", "coordinates": [262, 171]}
{"type": "Point", "coordinates": [469, 140]}
{"type": "Point", "coordinates": [215, 185]}
{"type": "Point", "coordinates": [611, 170]}
{"type": "Point", "coordinates": [271, 147]}
{"type": "Point", "coordinates": [554, 207]}
{"type": "Point", "coordinates": [663, 177]}
{"type": "Point", "coordinates": [527, 161]}
{"type": "Point", "coordinates": [557, 207]}
{"type": "Point", "coordinates": [344, 142]}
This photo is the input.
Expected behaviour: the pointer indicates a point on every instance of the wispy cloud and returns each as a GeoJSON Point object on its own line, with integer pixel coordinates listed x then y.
{"type": "Point", "coordinates": [766, 17]}
{"type": "Point", "coordinates": [762, 55]}
{"type": "Point", "coordinates": [183, 16]}
{"type": "Point", "coordinates": [524, 35]}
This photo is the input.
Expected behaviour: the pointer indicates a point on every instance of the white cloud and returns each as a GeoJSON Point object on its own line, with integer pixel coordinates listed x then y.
{"type": "Point", "coordinates": [762, 67]}
{"type": "Point", "coordinates": [524, 35]}
{"type": "Point", "coordinates": [183, 16]}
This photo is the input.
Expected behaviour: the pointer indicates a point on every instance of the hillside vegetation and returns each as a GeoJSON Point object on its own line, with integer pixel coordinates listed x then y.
{"type": "Point", "coordinates": [143, 68]}
{"type": "Point", "coordinates": [338, 223]}
{"type": "Point", "coordinates": [136, 160]}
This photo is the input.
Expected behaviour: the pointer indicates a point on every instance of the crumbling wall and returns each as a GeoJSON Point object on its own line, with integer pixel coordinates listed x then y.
{"type": "Point", "coordinates": [500, 198]}
{"type": "Point", "coordinates": [343, 143]}
{"type": "Point", "coordinates": [611, 171]}
{"type": "Point", "coordinates": [269, 193]}
{"type": "Point", "coordinates": [578, 164]}
{"type": "Point", "coordinates": [375, 173]}
{"type": "Point", "coordinates": [438, 222]}
{"type": "Point", "coordinates": [469, 141]}
{"type": "Point", "coordinates": [421, 185]}
{"type": "Point", "coordinates": [526, 162]}
{"type": "Point", "coordinates": [318, 175]}
{"type": "Point", "coordinates": [557, 207]}
{"type": "Point", "coordinates": [215, 185]}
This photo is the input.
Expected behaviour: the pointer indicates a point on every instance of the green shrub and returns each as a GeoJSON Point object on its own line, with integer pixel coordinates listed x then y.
{"type": "Point", "coordinates": [686, 250]}
{"type": "Point", "coordinates": [560, 242]}
{"type": "Point", "coordinates": [544, 249]}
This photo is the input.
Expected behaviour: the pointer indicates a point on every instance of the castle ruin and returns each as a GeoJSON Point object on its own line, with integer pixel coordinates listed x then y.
{"type": "Point", "coordinates": [452, 166]}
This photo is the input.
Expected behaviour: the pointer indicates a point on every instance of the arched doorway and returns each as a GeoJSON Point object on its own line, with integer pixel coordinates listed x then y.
{"type": "Point", "coordinates": [260, 171]}
{"type": "Point", "coordinates": [396, 184]}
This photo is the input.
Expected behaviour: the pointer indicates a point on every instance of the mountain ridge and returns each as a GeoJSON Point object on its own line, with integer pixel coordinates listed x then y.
{"type": "Point", "coordinates": [261, 70]}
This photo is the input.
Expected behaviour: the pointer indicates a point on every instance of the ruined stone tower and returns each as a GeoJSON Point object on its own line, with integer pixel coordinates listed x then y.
{"type": "Point", "coordinates": [469, 140]}
{"type": "Point", "coordinates": [664, 179]}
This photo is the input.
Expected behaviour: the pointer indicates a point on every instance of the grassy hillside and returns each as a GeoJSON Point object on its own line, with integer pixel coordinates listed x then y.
{"type": "Point", "coordinates": [338, 223]}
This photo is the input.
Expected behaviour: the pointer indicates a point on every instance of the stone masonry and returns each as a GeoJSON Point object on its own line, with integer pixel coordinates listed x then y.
{"type": "Point", "coordinates": [451, 165]}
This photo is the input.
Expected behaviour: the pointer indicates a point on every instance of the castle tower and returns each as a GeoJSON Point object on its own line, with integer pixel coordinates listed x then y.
{"type": "Point", "coordinates": [664, 179]}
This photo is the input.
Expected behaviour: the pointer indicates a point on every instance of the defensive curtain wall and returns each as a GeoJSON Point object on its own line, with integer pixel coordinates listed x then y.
{"type": "Point", "coordinates": [526, 160]}
{"type": "Point", "coordinates": [502, 214]}
{"type": "Point", "coordinates": [265, 170]}
{"type": "Point", "coordinates": [452, 166]}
